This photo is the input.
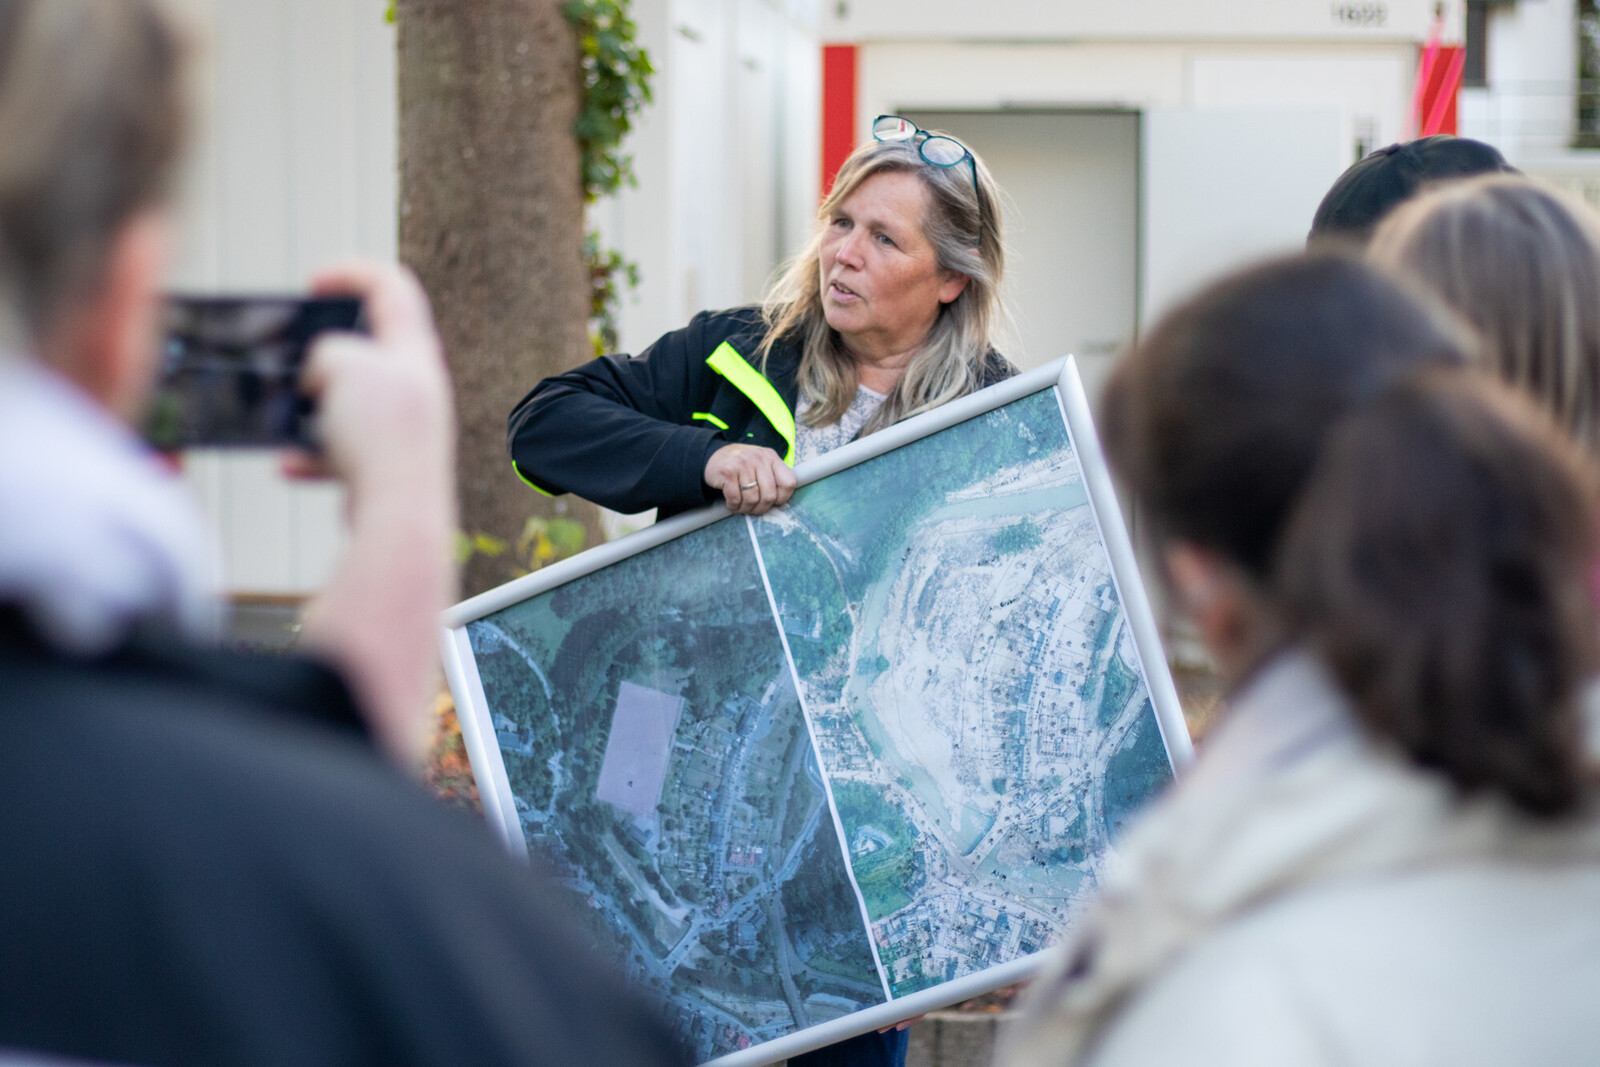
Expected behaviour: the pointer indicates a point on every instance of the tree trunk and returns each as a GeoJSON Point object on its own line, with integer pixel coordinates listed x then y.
{"type": "Point", "coordinates": [491, 219]}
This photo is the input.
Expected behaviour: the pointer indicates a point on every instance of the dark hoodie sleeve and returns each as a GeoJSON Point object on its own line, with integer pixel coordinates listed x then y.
{"type": "Point", "coordinates": [994, 370]}
{"type": "Point", "coordinates": [620, 430]}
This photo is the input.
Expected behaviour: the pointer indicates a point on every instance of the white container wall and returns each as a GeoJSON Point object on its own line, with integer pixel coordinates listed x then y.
{"type": "Point", "coordinates": [1146, 20]}
{"type": "Point", "coordinates": [294, 169]}
{"type": "Point", "coordinates": [727, 157]}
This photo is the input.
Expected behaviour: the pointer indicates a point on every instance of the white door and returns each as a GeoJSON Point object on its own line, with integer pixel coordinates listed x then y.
{"type": "Point", "coordinates": [1223, 188]}
{"type": "Point", "coordinates": [1071, 218]}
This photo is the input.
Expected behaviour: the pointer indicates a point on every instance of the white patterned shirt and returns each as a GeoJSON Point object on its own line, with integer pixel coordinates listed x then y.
{"type": "Point", "coordinates": [812, 441]}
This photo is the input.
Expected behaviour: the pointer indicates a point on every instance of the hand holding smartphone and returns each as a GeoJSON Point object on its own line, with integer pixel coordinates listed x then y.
{"type": "Point", "coordinates": [230, 370]}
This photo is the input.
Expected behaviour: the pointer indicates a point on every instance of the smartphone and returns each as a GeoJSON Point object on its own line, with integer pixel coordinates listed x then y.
{"type": "Point", "coordinates": [230, 370]}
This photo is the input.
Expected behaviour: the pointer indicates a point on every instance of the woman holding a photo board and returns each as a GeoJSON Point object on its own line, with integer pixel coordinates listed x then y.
{"type": "Point", "coordinates": [1388, 851]}
{"type": "Point", "coordinates": [890, 311]}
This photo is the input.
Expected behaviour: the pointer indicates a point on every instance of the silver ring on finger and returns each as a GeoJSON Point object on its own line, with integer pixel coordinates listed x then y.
{"type": "Point", "coordinates": [751, 485]}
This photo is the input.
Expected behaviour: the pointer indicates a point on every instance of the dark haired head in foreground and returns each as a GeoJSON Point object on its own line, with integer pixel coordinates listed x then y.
{"type": "Point", "coordinates": [1438, 561]}
{"type": "Point", "coordinates": [1217, 418]}
{"type": "Point", "coordinates": [1390, 842]}
{"type": "Point", "coordinates": [1383, 180]}
{"type": "Point", "coordinates": [1450, 596]}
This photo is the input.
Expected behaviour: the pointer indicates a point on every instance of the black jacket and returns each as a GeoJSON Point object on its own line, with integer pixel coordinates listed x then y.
{"type": "Point", "coordinates": [634, 433]}
{"type": "Point", "coordinates": [205, 863]}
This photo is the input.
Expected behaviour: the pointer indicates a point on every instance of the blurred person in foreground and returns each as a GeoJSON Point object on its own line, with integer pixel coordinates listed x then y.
{"type": "Point", "coordinates": [1389, 849]}
{"type": "Point", "coordinates": [1383, 180]}
{"type": "Point", "coordinates": [1520, 263]}
{"type": "Point", "coordinates": [890, 311]}
{"type": "Point", "coordinates": [212, 857]}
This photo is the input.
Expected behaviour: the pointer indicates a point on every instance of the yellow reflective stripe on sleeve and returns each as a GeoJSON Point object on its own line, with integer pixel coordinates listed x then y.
{"type": "Point", "coordinates": [712, 419]}
{"type": "Point", "coordinates": [529, 482]}
{"type": "Point", "coordinates": [745, 378]}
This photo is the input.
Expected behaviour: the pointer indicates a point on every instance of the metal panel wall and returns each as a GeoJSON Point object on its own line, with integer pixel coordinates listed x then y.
{"type": "Point", "coordinates": [294, 168]}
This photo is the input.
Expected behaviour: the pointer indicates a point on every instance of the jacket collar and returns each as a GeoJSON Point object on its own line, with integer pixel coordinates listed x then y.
{"type": "Point", "coordinates": [96, 536]}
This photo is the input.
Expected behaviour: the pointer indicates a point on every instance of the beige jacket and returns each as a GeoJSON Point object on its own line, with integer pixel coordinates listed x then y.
{"type": "Point", "coordinates": [1304, 897]}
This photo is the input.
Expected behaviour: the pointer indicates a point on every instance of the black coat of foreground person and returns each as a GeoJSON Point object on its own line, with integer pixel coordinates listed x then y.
{"type": "Point", "coordinates": [207, 862]}
{"type": "Point", "coordinates": [211, 858]}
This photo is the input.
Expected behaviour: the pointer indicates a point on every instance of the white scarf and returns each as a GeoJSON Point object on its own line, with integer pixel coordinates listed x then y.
{"type": "Point", "coordinates": [96, 534]}
{"type": "Point", "coordinates": [1288, 793]}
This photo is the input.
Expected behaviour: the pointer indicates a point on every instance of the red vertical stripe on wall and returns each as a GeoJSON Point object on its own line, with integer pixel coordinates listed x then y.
{"type": "Point", "coordinates": [1441, 87]}
{"type": "Point", "coordinates": [838, 109]}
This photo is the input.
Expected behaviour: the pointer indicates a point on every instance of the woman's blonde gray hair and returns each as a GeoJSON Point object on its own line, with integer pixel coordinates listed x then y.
{"type": "Point", "coordinates": [1519, 262]}
{"type": "Point", "coordinates": [962, 223]}
{"type": "Point", "coordinates": [92, 128]}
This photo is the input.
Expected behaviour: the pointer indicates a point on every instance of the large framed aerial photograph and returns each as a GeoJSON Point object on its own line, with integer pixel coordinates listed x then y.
{"type": "Point", "coordinates": [809, 774]}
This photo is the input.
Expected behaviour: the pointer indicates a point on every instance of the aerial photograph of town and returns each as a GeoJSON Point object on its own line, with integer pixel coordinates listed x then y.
{"type": "Point", "coordinates": [878, 739]}
{"type": "Point", "coordinates": [972, 683]}
{"type": "Point", "coordinates": [660, 764]}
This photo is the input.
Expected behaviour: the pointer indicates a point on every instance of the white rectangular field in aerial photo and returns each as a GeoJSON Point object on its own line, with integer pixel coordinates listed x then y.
{"type": "Point", "coordinates": [808, 774]}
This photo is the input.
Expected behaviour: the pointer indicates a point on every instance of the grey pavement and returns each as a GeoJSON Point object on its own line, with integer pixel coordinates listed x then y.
{"type": "Point", "coordinates": [953, 1039]}
{"type": "Point", "coordinates": [269, 624]}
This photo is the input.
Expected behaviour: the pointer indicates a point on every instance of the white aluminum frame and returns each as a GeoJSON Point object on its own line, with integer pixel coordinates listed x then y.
{"type": "Point", "coordinates": [488, 768]}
